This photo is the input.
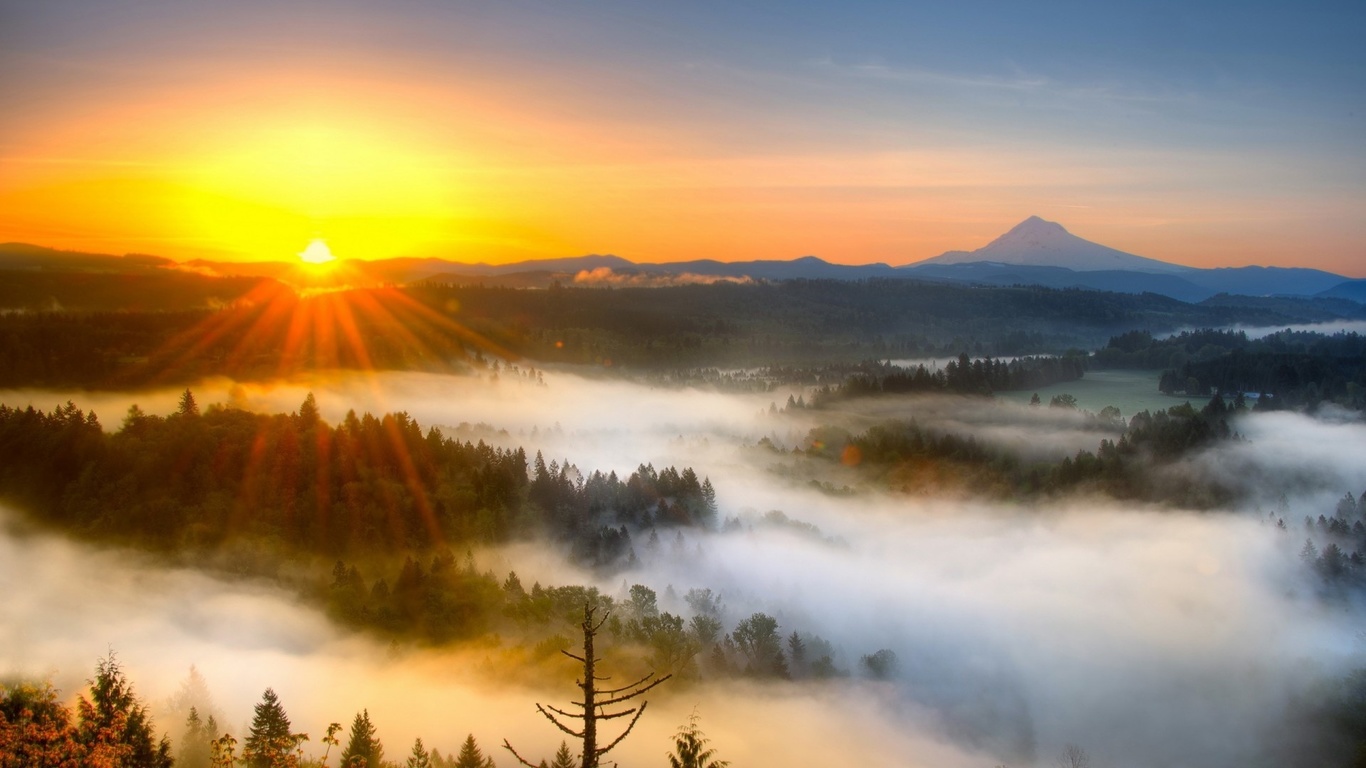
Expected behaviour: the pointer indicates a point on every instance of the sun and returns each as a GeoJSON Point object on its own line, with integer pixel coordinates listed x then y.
{"type": "Point", "coordinates": [317, 252]}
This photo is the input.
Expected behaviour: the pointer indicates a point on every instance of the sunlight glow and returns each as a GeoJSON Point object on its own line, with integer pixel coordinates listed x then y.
{"type": "Point", "coordinates": [317, 252]}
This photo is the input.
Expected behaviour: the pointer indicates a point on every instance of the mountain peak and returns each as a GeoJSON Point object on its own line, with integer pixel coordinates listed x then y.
{"type": "Point", "coordinates": [1036, 227]}
{"type": "Point", "coordinates": [1038, 242]}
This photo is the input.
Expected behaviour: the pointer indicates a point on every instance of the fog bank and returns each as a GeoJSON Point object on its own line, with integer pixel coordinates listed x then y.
{"type": "Point", "coordinates": [1151, 637]}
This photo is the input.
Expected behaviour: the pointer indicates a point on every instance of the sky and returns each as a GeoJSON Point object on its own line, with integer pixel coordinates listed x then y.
{"type": "Point", "coordinates": [1206, 134]}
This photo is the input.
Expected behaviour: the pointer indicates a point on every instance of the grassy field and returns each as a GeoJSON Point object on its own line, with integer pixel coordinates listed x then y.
{"type": "Point", "coordinates": [1129, 391]}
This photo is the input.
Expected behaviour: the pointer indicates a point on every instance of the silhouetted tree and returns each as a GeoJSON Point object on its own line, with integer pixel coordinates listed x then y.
{"type": "Point", "coordinates": [188, 406]}
{"type": "Point", "coordinates": [270, 743]}
{"type": "Point", "coordinates": [563, 757]}
{"type": "Point", "coordinates": [364, 748]}
{"type": "Point", "coordinates": [309, 415]}
{"type": "Point", "coordinates": [880, 665]}
{"type": "Point", "coordinates": [757, 638]}
{"type": "Point", "coordinates": [114, 726]}
{"type": "Point", "coordinates": [330, 739]}
{"type": "Point", "coordinates": [1074, 756]}
{"type": "Point", "coordinates": [690, 748]}
{"type": "Point", "coordinates": [195, 743]}
{"type": "Point", "coordinates": [420, 758]}
{"type": "Point", "coordinates": [592, 709]}
{"type": "Point", "coordinates": [471, 756]}
{"type": "Point", "coordinates": [796, 650]}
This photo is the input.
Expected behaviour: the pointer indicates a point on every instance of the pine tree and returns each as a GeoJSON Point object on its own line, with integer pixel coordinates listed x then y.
{"type": "Point", "coordinates": [188, 406]}
{"type": "Point", "coordinates": [471, 756]}
{"type": "Point", "coordinates": [709, 508]}
{"type": "Point", "coordinates": [193, 694]}
{"type": "Point", "coordinates": [420, 758]}
{"type": "Point", "coordinates": [113, 724]}
{"type": "Point", "coordinates": [308, 411]}
{"type": "Point", "coordinates": [364, 748]}
{"type": "Point", "coordinates": [563, 758]}
{"type": "Point", "coordinates": [690, 748]}
{"type": "Point", "coordinates": [796, 649]}
{"type": "Point", "coordinates": [269, 742]}
{"type": "Point", "coordinates": [195, 743]}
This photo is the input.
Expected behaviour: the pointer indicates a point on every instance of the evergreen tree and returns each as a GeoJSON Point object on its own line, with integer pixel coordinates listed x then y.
{"type": "Point", "coordinates": [113, 725]}
{"type": "Point", "coordinates": [563, 758]}
{"type": "Point", "coordinates": [308, 412]}
{"type": "Point", "coordinates": [709, 507]}
{"type": "Point", "coordinates": [364, 748]}
{"type": "Point", "coordinates": [690, 748]}
{"type": "Point", "coordinates": [420, 758]}
{"type": "Point", "coordinates": [471, 756]}
{"type": "Point", "coordinates": [193, 694]}
{"type": "Point", "coordinates": [195, 743]}
{"type": "Point", "coordinates": [188, 406]}
{"type": "Point", "coordinates": [269, 742]}
{"type": "Point", "coordinates": [796, 650]}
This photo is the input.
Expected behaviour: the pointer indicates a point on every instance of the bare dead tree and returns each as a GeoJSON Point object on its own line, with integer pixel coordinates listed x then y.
{"type": "Point", "coordinates": [593, 709]}
{"type": "Point", "coordinates": [1074, 756]}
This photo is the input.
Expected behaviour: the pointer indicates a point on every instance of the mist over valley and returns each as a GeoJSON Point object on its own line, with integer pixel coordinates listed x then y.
{"type": "Point", "coordinates": [1147, 633]}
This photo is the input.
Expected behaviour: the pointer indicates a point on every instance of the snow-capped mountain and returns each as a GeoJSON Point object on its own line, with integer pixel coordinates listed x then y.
{"type": "Point", "coordinates": [1035, 242]}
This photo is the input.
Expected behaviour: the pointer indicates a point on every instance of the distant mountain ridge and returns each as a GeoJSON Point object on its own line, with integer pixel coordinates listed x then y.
{"type": "Point", "coordinates": [1033, 252]}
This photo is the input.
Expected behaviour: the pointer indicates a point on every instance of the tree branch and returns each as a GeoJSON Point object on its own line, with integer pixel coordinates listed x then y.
{"type": "Point", "coordinates": [633, 694]}
{"type": "Point", "coordinates": [625, 733]}
{"type": "Point", "coordinates": [625, 687]}
{"type": "Point", "coordinates": [520, 759]}
{"type": "Point", "coordinates": [558, 724]}
{"type": "Point", "coordinates": [598, 626]}
{"type": "Point", "coordinates": [562, 712]}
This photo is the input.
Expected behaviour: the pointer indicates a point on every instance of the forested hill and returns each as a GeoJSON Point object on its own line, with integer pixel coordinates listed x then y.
{"type": "Point", "coordinates": [270, 330]}
{"type": "Point", "coordinates": [1286, 369]}
{"type": "Point", "coordinates": [372, 485]}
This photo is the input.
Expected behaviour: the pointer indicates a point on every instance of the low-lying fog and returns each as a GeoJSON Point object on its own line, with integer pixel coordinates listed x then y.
{"type": "Point", "coordinates": [1148, 637]}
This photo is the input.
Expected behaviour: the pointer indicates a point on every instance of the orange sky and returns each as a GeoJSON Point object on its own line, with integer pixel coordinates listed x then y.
{"type": "Point", "coordinates": [238, 135]}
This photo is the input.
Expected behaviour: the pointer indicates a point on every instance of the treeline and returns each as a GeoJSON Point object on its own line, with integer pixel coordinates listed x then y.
{"type": "Point", "coordinates": [111, 728]}
{"type": "Point", "coordinates": [444, 600]}
{"type": "Point", "coordinates": [1331, 720]}
{"type": "Point", "coordinates": [796, 321]}
{"type": "Point", "coordinates": [258, 337]}
{"type": "Point", "coordinates": [909, 457]}
{"type": "Point", "coordinates": [249, 491]}
{"type": "Point", "coordinates": [1276, 380]}
{"type": "Point", "coordinates": [196, 480]}
{"type": "Point", "coordinates": [267, 330]}
{"type": "Point", "coordinates": [962, 376]}
{"type": "Point", "coordinates": [1286, 369]}
{"type": "Point", "coordinates": [1335, 544]}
